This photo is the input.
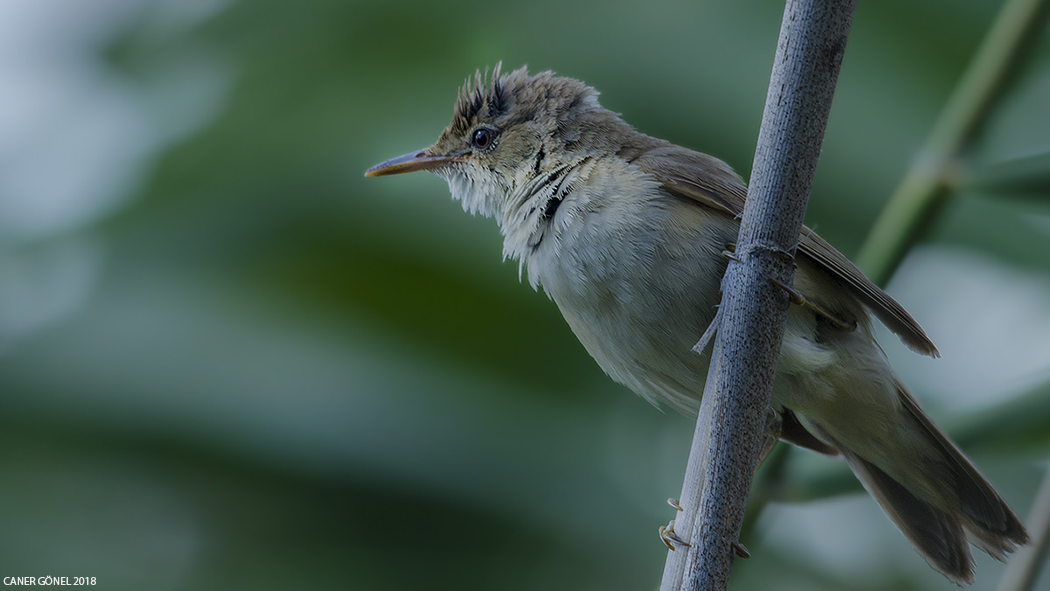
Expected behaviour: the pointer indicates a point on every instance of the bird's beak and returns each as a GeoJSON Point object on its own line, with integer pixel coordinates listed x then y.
{"type": "Point", "coordinates": [410, 162]}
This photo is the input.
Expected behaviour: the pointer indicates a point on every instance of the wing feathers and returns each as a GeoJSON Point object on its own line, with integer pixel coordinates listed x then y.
{"type": "Point", "coordinates": [711, 182]}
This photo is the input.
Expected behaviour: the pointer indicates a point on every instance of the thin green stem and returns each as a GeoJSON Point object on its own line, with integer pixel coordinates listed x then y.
{"type": "Point", "coordinates": [927, 185]}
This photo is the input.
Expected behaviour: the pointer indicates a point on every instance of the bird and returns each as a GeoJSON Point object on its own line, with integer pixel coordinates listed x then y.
{"type": "Point", "coordinates": [628, 235]}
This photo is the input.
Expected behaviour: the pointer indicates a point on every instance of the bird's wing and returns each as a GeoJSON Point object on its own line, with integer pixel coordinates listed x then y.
{"type": "Point", "coordinates": [712, 183]}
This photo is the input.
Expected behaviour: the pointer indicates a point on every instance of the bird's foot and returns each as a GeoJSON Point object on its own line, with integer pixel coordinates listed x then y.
{"type": "Point", "coordinates": [669, 538]}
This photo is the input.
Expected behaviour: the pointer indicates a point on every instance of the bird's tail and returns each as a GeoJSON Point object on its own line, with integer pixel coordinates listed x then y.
{"type": "Point", "coordinates": [940, 501]}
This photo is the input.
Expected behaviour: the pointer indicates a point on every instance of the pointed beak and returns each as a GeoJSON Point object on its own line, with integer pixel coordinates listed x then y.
{"type": "Point", "coordinates": [410, 162]}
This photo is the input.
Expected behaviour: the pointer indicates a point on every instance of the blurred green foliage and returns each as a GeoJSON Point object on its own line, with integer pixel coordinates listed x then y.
{"type": "Point", "coordinates": [229, 360]}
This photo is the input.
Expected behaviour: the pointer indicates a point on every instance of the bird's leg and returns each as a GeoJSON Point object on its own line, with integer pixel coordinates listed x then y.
{"type": "Point", "coordinates": [799, 300]}
{"type": "Point", "coordinates": [770, 435]}
{"type": "Point", "coordinates": [796, 297]}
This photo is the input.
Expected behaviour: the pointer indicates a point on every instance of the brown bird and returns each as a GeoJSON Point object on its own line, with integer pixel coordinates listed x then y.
{"type": "Point", "coordinates": [626, 233]}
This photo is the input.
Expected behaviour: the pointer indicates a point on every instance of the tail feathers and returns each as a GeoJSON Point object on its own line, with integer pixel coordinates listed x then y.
{"type": "Point", "coordinates": [988, 520]}
{"type": "Point", "coordinates": [962, 508]}
{"type": "Point", "coordinates": [937, 535]}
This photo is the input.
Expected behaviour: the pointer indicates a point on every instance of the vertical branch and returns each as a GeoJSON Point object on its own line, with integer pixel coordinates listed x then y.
{"type": "Point", "coordinates": [739, 385]}
{"type": "Point", "coordinates": [915, 202]}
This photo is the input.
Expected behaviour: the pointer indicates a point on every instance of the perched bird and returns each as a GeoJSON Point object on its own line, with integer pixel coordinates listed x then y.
{"type": "Point", "coordinates": [626, 233]}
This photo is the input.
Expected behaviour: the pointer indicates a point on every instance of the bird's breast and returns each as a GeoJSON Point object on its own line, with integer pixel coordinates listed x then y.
{"type": "Point", "coordinates": [636, 274]}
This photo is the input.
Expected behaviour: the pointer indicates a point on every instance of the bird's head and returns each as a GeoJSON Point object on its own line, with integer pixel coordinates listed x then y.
{"type": "Point", "coordinates": [511, 136]}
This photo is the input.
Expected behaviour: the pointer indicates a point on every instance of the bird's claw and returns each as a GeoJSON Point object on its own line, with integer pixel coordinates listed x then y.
{"type": "Point", "coordinates": [669, 538]}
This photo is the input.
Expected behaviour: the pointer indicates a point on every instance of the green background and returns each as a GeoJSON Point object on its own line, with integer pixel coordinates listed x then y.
{"type": "Point", "coordinates": [228, 360]}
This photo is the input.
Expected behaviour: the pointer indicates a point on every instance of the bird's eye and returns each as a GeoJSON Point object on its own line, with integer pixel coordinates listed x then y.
{"type": "Point", "coordinates": [483, 138]}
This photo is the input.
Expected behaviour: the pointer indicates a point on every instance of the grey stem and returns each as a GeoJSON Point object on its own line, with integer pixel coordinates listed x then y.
{"type": "Point", "coordinates": [739, 385]}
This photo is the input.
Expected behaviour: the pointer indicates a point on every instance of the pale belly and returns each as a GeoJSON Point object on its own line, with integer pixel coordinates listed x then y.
{"type": "Point", "coordinates": [639, 298]}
